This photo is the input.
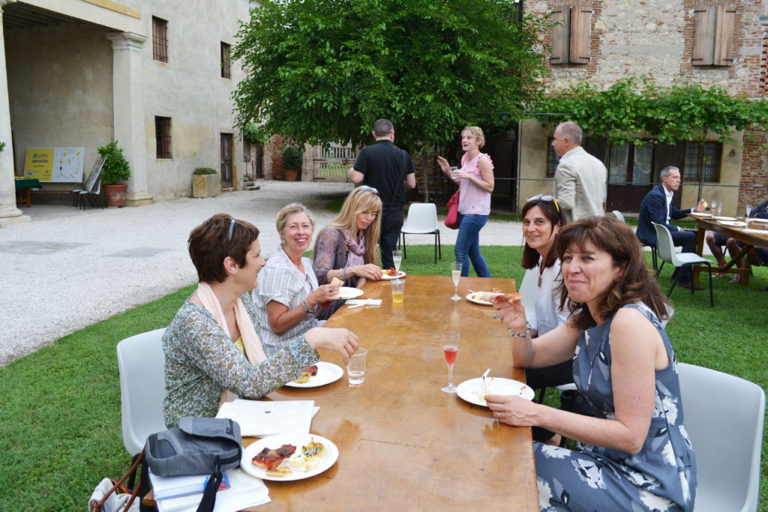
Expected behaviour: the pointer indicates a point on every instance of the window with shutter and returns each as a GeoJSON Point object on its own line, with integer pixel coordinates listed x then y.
{"type": "Point", "coordinates": [571, 35]}
{"type": "Point", "coordinates": [713, 35]}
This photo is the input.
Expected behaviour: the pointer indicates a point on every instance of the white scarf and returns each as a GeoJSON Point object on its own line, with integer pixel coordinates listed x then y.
{"type": "Point", "coordinates": [253, 350]}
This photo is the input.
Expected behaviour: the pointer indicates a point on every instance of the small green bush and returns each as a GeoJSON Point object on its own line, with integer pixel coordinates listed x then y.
{"type": "Point", "coordinates": [203, 171]}
{"type": "Point", "coordinates": [116, 167]}
{"type": "Point", "coordinates": [292, 158]}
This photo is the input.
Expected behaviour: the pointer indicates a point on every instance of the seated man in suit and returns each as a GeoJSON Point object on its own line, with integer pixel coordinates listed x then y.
{"type": "Point", "coordinates": [657, 207]}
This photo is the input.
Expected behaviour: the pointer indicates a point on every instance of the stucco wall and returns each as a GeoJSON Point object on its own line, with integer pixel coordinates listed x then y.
{"type": "Point", "coordinates": [60, 90]}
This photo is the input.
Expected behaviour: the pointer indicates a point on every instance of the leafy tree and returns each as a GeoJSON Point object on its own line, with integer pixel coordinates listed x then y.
{"type": "Point", "coordinates": [325, 70]}
{"type": "Point", "coordinates": [632, 109]}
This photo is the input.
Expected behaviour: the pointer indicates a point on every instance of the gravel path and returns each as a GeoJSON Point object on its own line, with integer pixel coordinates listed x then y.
{"type": "Point", "coordinates": [68, 268]}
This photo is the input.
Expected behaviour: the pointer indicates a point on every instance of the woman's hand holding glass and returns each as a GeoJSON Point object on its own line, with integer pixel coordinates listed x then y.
{"type": "Point", "coordinates": [342, 341]}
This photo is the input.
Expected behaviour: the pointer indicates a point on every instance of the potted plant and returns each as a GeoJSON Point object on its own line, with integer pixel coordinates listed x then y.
{"type": "Point", "coordinates": [116, 169]}
{"type": "Point", "coordinates": [205, 182]}
{"type": "Point", "coordinates": [293, 158]}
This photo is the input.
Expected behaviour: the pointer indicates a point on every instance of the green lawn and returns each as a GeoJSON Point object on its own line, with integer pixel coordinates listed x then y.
{"type": "Point", "coordinates": [60, 421]}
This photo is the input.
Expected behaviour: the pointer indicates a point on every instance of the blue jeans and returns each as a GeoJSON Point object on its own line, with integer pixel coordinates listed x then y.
{"type": "Point", "coordinates": [468, 245]}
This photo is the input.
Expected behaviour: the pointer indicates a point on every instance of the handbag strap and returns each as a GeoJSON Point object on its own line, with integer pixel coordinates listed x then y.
{"type": "Point", "coordinates": [211, 488]}
{"type": "Point", "coordinates": [95, 506]}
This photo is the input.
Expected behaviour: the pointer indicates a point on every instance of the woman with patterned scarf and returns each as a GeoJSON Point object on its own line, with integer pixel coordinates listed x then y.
{"type": "Point", "coordinates": [347, 249]}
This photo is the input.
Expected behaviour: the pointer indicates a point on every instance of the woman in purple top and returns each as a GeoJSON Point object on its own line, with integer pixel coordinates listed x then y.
{"type": "Point", "coordinates": [475, 179]}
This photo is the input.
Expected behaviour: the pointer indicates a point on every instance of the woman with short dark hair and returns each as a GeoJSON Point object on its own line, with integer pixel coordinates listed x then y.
{"type": "Point", "coordinates": [212, 351]}
{"type": "Point", "coordinates": [634, 453]}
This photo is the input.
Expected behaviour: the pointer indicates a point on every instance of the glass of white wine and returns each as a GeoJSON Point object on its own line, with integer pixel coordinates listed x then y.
{"type": "Point", "coordinates": [397, 256]}
{"type": "Point", "coordinates": [456, 274]}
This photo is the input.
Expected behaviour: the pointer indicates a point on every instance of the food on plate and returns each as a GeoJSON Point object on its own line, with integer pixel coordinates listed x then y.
{"type": "Point", "coordinates": [306, 373]}
{"type": "Point", "coordinates": [391, 272]}
{"type": "Point", "coordinates": [337, 281]}
{"type": "Point", "coordinates": [479, 395]}
{"type": "Point", "coordinates": [509, 297]}
{"type": "Point", "coordinates": [309, 458]}
{"type": "Point", "coordinates": [271, 458]}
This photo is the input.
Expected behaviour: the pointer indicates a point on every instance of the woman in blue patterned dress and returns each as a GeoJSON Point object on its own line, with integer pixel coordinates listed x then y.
{"type": "Point", "coordinates": [212, 351]}
{"type": "Point", "coordinates": [634, 454]}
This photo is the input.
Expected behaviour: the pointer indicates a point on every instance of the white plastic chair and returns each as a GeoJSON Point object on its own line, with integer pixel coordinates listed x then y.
{"type": "Point", "coordinates": [618, 215]}
{"type": "Point", "coordinates": [422, 220]}
{"type": "Point", "coordinates": [724, 419]}
{"type": "Point", "coordinates": [141, 362]}
{"type": "Point", "coordinates": [665, 248]}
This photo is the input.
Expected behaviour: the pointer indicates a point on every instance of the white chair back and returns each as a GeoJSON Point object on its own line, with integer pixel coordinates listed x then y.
{"type": "Point", "coordinates": [422, 218]}
{"type": "Point", "coordinates": [141, 362]}
{"type": "Point", "coordinates": [724, 419]}
{"type": "Point", "coordinates": [665, 247]}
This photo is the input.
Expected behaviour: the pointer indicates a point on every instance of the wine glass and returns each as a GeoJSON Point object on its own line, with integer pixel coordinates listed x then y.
{"type": "Point", "coordinates": [450, 345]}
{"type": "Point", "coordinates": [749, 209]}
{"type": "Point", "coordinates": [397, 256]}
{"type": "Point", "coordinates": [456, 274]}
{"type": "Point", "coordinates": [713, 207]}
{"type": "Point", "coordinates": [720, 209]}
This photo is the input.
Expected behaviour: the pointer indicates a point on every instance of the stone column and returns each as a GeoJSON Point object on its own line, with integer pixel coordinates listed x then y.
{"type": "Point", "coordinates": [8, 211]}
{"type": "Point", "coordinates": [128, 111]}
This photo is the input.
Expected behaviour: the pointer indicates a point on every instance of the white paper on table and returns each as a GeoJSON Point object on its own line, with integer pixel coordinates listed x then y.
{"type": "Point", "coordinates": [257, 418]}
{"type": "Point", "coordinates": [244, 491]}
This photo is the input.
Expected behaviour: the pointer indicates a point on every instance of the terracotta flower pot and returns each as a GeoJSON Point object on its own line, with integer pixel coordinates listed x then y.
{"type": "Point", "coordinates": [115, 194]}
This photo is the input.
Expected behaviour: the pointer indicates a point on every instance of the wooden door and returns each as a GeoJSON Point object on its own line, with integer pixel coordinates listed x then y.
{"type": "Point", "coordinates": [226, 160]}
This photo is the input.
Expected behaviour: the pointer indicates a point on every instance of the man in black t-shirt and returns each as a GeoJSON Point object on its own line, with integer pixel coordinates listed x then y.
{"type": "Point", "coordinates": [389, 170]}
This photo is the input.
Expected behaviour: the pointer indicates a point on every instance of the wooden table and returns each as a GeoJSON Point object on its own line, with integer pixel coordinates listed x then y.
{"type": "Point", "coordinates": [24, 188]}
{"type": "Point", "coordinates": [403, 443]}
{"type": "Point", "coordinates": [750, 239]}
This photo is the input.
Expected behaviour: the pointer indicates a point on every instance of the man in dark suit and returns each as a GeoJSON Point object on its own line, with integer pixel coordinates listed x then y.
{"type": "Point", "coordinates": [657, 207]}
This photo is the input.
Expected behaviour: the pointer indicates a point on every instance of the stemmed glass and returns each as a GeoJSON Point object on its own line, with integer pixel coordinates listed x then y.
{"type": "Point", "coordinates": [749, 209]}
{"type": "Point", "coordinates": [450, 344]}
{"type": "Point", "coordinates": [456, 274]}
{"type": "Point", "coordinates": [397, 256]}
{"type": "Point", "coordinates": [713, 207]}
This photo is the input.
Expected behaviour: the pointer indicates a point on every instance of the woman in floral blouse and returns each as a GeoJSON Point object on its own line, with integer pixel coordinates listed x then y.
{"type": "Point", "coordinates": [212, 351]}
{"type": "Point", "coordinates": [634, 452]}
{"type": "Point", "coordinates": [347, 248]}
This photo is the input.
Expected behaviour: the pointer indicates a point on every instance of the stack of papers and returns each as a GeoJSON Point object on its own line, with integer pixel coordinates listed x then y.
{"type": "Point", "coordinates": [244, 491]}
{"type": "Point", "coordinates": [266, 418]}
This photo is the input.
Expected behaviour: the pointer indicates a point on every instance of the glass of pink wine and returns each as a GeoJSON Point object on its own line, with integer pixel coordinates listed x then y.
{"type": "Point", "coordinates": [450, 344]}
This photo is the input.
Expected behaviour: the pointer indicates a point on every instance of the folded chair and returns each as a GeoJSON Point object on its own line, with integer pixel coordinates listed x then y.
{"type": "Point", "coordinates": [665, 248]}
{"type": "Point", "coordinates": [422, 220]}
{"type": "Point", "coordinates": [91, 186]}
{"type": "Point", "coordinates": [724, 419]}
{"type": "Point", "coordinates": [141, 362]}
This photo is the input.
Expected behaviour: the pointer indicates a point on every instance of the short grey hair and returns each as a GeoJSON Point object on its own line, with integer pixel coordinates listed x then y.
{"type": "Point", "coordinates": [665, 171]}
{"type": "Point", "coordinates": [288, 210]}
{"type": "Point", "coordinates": [383, 127]}
{"type": "Point", "coordinates": [572, 131]}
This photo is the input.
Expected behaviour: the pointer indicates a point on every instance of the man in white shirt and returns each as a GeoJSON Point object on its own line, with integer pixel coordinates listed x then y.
{"type": "Point", "coordinates": [580, 179]}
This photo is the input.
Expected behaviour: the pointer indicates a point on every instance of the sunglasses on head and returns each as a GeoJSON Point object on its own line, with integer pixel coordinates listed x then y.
{"type": "Point", "coordinates": [366, 188]}
{"type": "Point", "coordinates": [542, 197]}
{"type": "Point", "coordinates": [231, 228]}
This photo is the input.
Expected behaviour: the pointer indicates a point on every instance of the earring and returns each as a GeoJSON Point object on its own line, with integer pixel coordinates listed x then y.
{"type": "Point", "coordinates": [282, 241]}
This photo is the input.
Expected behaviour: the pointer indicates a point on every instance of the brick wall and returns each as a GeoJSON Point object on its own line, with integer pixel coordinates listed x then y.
{"type": "Point", "coordinates": [754, 170]}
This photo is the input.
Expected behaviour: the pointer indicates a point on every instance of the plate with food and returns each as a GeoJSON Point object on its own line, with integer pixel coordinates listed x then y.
{"type": "Point", "coordinates": [286, 457]}
{"type": "Point", "coordinates": [388, 275]}
{"type": "Point", "coordinates": [348, 292]}
{"type": "Point", "coordinates": [472, 390]}
{"type": "Point", "coordinates": [489, 298]}
{"type": "Point", "coordinates": [734, 224]}
{"type": "Point", "coordinates": [726, 219]}
{"type": "Point", "coordinates": [701, 214]}
{"type": "Point", "coordinates": [317, 375]}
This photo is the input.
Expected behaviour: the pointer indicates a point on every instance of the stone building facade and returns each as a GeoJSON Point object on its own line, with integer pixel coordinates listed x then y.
{"type": "Point", "coordinates": [666, 39]}
{"type": "Point", "coordinates": [152, 74]}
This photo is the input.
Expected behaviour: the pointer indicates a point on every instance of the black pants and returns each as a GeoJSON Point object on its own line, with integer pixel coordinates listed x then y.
{"type": "Point", "coordinates": [542, 378]}
{"type": "Point", "coordinates": [391, 224]}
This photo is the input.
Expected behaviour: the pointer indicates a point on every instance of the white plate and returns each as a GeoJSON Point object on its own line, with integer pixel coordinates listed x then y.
{"type": "Point", "coordinates": [387, 277]}
{"type": "Point", "coordinates": [330, 455]}
{"type": "Point", "coordinates": [734, 224]}
{"type": "Point", "coordinates": [701, 214]}
{"type": "Point", "coordinates": [481, 297]}
{"type": "Point", "coordinates": [347, 292]}
{"type": "Point", "coordinates": [472, 390]}
{"type": "Point", "coordinates": [326, 373]}
{"type": "Point", "coordinates": [721, 219]}
{"type": "Point", "coordinates": [757, 219]}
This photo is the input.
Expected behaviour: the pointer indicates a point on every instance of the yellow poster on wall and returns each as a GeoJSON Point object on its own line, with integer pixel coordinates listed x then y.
{"type": "Point", "coordinates": [39, 164]}
{"type": "Point", "coordinates": [62, 165]}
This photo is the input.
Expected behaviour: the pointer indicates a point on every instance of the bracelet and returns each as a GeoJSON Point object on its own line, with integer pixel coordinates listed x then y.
{"type": "Point", "coordinates": [523, 334]}
{"type": "Point", "coordinates": [305, 306]}
{"type": "Point", "coordinates": [345, 273]}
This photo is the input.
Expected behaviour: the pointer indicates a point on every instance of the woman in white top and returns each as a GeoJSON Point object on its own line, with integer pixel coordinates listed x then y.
{"type": "Point", "coordinates": [542, 283]}
{"type": "Point", "coordinates": [288, 296]}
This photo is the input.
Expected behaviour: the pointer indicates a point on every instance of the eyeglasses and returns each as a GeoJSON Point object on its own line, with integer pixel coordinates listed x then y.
{"type": "Point", "coordinates": [231, 228]}
{"type": "Point", "coordinates": [366, 188]}
{"type": "Point", "coordinates": [541, 197]}
{"type": "Point", "coordinates": [369, 214]}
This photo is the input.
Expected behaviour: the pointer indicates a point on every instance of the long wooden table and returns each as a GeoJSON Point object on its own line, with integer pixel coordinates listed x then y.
{"type": "Point", "coordinates": [403, 443]}
{"type": "Point", "coordinates": [749, 238]}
